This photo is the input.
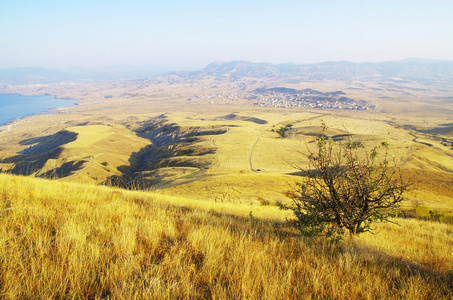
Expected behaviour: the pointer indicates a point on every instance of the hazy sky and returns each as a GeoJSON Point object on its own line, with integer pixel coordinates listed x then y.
{"type": "Point", "coordinates": [95, 33]}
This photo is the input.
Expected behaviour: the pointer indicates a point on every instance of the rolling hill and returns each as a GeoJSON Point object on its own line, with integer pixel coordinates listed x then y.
{"type": "Point", "coordinates": [168, 187]}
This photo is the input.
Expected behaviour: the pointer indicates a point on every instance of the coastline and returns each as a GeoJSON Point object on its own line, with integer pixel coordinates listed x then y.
{"type": "Point", "coordinates": [12, 124]}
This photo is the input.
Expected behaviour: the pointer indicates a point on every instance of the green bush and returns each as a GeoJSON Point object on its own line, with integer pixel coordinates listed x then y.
{"type": "Point", "coordinates": [187, 151]}
{"type": "Point", "coordinates": [345, 190]}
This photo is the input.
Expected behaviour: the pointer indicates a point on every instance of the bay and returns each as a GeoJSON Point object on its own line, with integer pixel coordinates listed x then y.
{"type": "Point", "coordinates": [15, 106]}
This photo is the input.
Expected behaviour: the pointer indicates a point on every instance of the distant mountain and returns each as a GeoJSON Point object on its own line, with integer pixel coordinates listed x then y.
{"type": "Point", "coordinates": [413, 69]}
{"type": "Point", "coordinates": [408, 69]}
{"type": "Point", "coordinates": [31, 75]}
{"type": "Point", "coordinates": [120, 72]}
{"type": "Point", "coordinates": [241, 69]}
{"type": "Point", "coordinates": [43, 75]}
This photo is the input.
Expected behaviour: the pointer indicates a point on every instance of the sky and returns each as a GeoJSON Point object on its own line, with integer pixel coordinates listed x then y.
{"type": "Point", "coordinates": [194, 33]}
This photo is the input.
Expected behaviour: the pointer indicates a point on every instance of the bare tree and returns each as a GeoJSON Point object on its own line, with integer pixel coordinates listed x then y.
{"type": "Point", "coordinates": [346, 189]}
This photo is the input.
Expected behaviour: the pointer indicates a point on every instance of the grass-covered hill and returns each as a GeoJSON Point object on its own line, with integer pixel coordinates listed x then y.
{"type": "Point", "coordinates": [204, 153]}
{"type": "Point", "coordinates": [80, 241]}
{"type": "Point", "coordinates": [211, 169]}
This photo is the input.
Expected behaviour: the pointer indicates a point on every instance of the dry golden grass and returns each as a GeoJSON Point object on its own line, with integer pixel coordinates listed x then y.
{"type": "Point", "coordinates": [242, 188]}
{"type": "Point", "coordinates": [67, 240]}
{"type": "Point", "coordinates": [197, 238]}
{"type": "Point", "coordinates": [98, 144]}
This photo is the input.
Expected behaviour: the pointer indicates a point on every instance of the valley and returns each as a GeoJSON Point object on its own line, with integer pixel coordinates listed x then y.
{"type": "Point", "coordinates": [162, 133]}
{"type": "Point", "coordinates": [169, 187]}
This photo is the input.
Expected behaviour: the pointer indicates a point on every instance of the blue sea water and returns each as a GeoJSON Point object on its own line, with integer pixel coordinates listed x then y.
{"type": "Point", "coordinates": [15, 106]}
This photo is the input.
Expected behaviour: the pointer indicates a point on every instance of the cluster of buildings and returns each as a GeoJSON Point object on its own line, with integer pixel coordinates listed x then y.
{"type": "Point", "coordinates": [220, 96]}
{"type": "Point", "coordinates": [291, 98]}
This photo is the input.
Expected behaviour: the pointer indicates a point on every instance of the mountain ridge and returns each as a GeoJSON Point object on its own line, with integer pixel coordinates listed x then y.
{"type": "Point", "coordinates": [417, 69]}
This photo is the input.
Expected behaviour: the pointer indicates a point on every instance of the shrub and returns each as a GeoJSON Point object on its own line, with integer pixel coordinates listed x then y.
{"type": "Point", "coordinates": [187, 151]}
{"type": "Point", "coordinates": [345, 191]}
{"type": "Point", "coordinates": [282, 131]}
{"type": "Point", "coordinates": [263, 201]}
{"type": "Point", "coordinates": [435, 215]}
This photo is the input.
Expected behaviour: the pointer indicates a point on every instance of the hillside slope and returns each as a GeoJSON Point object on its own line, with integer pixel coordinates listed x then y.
{"type": "Point", "coordinates": [239, 154]}
{"type": "Point", "coordinates": [66, 240]}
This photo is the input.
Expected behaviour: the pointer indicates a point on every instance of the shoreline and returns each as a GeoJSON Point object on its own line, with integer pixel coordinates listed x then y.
{"type": "Point", "coordinates": [10, 125]}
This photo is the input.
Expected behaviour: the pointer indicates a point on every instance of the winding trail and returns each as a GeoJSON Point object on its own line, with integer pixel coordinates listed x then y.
{"type": "Point", "coordinates": [253, 149]}
{"type": "Point", "coordinates": [219, 149]}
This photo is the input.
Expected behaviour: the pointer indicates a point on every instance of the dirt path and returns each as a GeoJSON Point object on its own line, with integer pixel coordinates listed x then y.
{"type": "Point", "coordinates": [235, 149]}
{"type": "Point", "coordinates": [253, 149]}
{"type": "Point", "coordinates": [219, 149]}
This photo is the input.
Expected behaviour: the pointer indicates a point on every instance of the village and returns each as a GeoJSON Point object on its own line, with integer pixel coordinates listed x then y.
{"type": "Point", "coordinates": [291, 98]}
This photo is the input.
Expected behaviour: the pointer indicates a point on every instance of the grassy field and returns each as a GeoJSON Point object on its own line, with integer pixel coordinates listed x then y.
{"type": "Point", "coordinates": [207, 226]}
{"type": "Point", "coordinates": [67, 240]}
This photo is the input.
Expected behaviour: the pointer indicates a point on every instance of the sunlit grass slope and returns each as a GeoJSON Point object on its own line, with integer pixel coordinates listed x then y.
{"type": "Point", "coordinates": [248, 189]}
{"type": "Point", "coordinates": [104, 148]}
{"type": "Point", "coordinates": [67, 240]}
